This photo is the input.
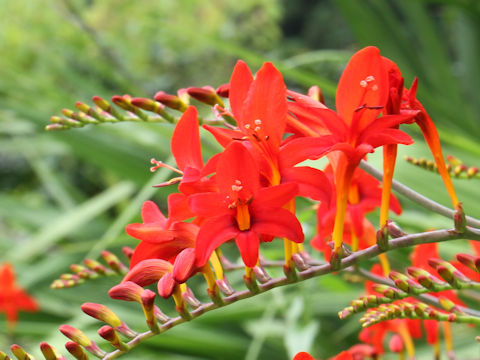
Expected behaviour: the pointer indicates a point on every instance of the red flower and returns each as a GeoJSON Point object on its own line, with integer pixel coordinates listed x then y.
{"type": "Point", "coordinates": [13, 298]}
{"type": "Point", "coordinates": [355, 128]}
{"type": "Point", "coordinates": [260, 108]}
{"type": "Point", "coordinates": [162, 238]}
{"type": "Point", "coordinates": [241, 209]}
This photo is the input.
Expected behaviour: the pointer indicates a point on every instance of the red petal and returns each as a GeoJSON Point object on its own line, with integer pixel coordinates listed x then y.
{"type": "Point", "coordinates": [304, 148]}
{"type": "Point", "coordinates": [350, 94]}
{"type": "Point", "coordinates": [277, 222]}
{"type": "Point", "coordinates": [212, 234]}
{"type": "Point", "coordinates": [248, 244]}
{"type": "Point", "coordinates": [152, 214]}
{"type": "Point", "coordinates": [356, 154]}
{"type": "Point", "coordinates": [25, 302]}
{"type": "Point", "coordinates": [181, 236]}
{"type": "Point", "coordinates": [387, 136]}
{"type": "Point", "coordinates": [151, 232]}
{"type": "Point", "coordinates": [431, 328]}
{"type": "Point", "coordinates": [208, 204]}
{"type": "Point", "coordinates": [275, 196]}
{"type": "Point", "coordinates": [178, 209]}
{"type": "Point", "coordinates": [239, 85]}
{"type": "Point", "coordinates": [7, 277]}
{"type": "Point", "coordinates": [184, 265]}
{"type": "Point", "coordinates": [232, 170]}
{"type": "Point", "coordinates": [224, 136]}
{"type": "Point", "coordinates": [312, 183]}
{"type": "Point", "coordinates": [148, 271]}
{"type": "Point", "coordinates": [185, 144]}
{"type": "Point", "coordinates": [267, 101]}
{"type": "Point", "coordinates": [336, 125]}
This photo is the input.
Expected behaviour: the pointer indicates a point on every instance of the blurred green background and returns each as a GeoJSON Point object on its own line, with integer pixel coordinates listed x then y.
{"type": "Point", "coordinates": [68, 195]}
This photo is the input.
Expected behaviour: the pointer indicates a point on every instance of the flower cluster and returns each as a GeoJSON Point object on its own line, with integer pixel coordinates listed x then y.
{"type": "Point", "coordinates": [247, 193]}
{"type": "Point", "coordinates": [271, 138]}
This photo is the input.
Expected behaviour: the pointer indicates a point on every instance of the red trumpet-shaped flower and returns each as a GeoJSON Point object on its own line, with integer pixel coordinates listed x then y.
{"type": "Point", "coordinates": [161, 237]}
{"type": "Point", "coordinates": [12, 298]}
{"type": "Point", "coordinates": [242, 209]}
{"type": "Point", "coordinates": [259, 106]}
{"type": "Point", "coordinates": [355, 128]}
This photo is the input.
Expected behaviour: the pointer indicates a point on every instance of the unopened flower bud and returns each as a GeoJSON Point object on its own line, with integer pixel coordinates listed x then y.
{"type": "Point", "coordinates": [205, 94]}
{"type": "Point", "coordinates": [401, 281]}
{"type": "Point", "coordinates": [80, 338]}
{"type": "Point", "coordinates": [75, 335]}
{"type": "Point", "coordinates": [447, 304]}
{"type": "Point", "coordinates": [472, 171]}
{"type": "Point", "coordinates": [127, 291]}
{"type": "Point", "coordinates": [459, 169]}
{"type": "Point", "coordinates": [172, 101]}
{"type": "Point", "coordinates": [49, 352]}
{"type": "Point", "coordinates": [370, 300]}
{"type": "Point", "coordinates": [114, 262]}
{"type": "Point", "coordinates": [346, 312]}
{"type": "Point", "coordinates": [87, 110]}
{"type": "Point", "coordinates": [357, 305]}
{"type": "Point", "coordinates": [473, 262]}
{"type": "Point", "coordinates": [184, 265]}
{"type": "Point", "coordinates": [166, 286]}
{"type": "Point", "coordinates": [453, 160]}
{"type": "Point", "coordinates": [109, 334]}
{"type": "Point", "coordinates": [102, 313]}
{"type": "Point", "coordinates": [148, 271]}
{"type": "Point", "coordinates": [223, 90]}
{"type": "Point", "coordinates": [96, 266]}
{"type": "Point", "coordinates": [102, 103]}
{"type": "Point", "coordinates": [123, 102]}
{"type": "Point", "coordinates": [128, 252]}
{"type": "Point", "coordinates": [76, 350]}
{"type": "Point", "coordinates": [20, 353]}
{"type": "Point", "coordinates": [82, 271]}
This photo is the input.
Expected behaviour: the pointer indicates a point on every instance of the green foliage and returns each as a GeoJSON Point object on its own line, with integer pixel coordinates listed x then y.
{"type": "Point", "coordinates": [67, 196]}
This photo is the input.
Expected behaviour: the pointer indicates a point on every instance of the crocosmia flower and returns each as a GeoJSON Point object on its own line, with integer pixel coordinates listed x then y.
{"type": "Point", "coordinates": [242, 209]}
{"type": "Point", "coordinates": [12, 298]}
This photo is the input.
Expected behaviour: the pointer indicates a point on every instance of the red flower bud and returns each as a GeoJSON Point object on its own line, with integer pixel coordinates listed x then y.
{"type": "Point", "coordinates": [127, 291]}
{"type": "Point", "coordinates": [172, 101]}
{"type": "Point", "coordinates": [50, 353]}
{"type": "Point", "coordinates": [102, 313]}
{"type": "Point", "coordinates": [76, 350]}
{"type": "Point", "coordinates": [166, 285]}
